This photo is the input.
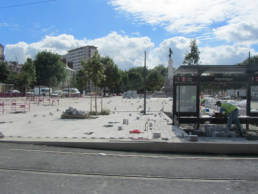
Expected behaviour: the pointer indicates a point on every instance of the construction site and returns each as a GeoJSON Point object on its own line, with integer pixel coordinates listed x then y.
{"type": "Point", "coordinates": [182, 123]}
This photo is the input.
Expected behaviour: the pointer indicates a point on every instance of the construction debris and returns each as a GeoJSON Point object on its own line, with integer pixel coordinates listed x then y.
{"type": "Point", "coordinates": [72, 113]}
{"type": "Point", "coordinates": [156, 135]}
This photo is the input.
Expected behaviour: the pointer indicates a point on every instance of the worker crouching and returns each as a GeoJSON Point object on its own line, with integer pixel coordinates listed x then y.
{"type": "Point", "coordinates": [231, 112]}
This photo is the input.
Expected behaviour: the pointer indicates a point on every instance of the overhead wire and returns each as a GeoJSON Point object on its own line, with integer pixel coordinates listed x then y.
{"type": "Point", "coordinates": [26, 4]}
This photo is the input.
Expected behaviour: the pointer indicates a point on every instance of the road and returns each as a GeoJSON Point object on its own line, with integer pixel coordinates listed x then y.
{"type": "Point", "coordinates": [42, 169]}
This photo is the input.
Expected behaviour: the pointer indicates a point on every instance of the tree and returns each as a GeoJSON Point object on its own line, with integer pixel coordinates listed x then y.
{"type": "Point", "coordinates": [192, 58]}
{"type": "Point", "coordinates": [112, 74]}
{"type": "Point", "coordinates": [252, 60]}
{"type": "Point", "coordinates": [135, 80]}
{"type": "Point", "coordinates": [81, 80]}
{"type": "Point", "coordinates": [13, 78]}
{"type": "Point", "coordinates": [27, 76]}
{"type": "Point", "coordinates": [95, 72]}
{"type": "Point", "coordinates": [162, 70]}
{"type": "Point", "coordinates": [4, 72]}
{"type": "Point", "coordinates": [155, 80]}
{"type": "Point", "coordinates": [124, 84]}
{"type": "Point", "coordinates": [50, 70]}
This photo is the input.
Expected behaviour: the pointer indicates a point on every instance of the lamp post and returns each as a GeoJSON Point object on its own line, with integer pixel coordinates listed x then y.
{"type": "Point", "coordinates": [144, 80]}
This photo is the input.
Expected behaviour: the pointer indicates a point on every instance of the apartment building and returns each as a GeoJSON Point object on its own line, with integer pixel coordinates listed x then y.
{"type": "Point", "coordinates": [75, 56]}
{"type": "Point", "coordinates": [14, 66]}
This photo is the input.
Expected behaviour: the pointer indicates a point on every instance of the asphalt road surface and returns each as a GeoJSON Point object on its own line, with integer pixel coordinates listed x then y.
{"type": "Point", "coordinates": [31, 169]}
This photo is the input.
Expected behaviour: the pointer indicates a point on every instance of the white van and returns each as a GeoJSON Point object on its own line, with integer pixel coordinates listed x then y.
{"type": "Point", "coordinates": [44, 91]}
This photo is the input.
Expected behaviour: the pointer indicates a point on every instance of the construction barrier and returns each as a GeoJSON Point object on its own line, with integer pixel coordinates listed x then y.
{"type": "Point", "coordinates": [43, 100]}
{"type": "Point", "coordinates": [14, 107]}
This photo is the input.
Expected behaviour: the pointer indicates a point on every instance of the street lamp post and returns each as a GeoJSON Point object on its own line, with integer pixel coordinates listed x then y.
{"type": "Point", "coordinates": [144, 79]}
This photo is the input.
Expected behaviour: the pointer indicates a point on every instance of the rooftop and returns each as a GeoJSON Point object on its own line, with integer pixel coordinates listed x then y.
{"type": "Point", "coordinates": [89, 46]}
{"type": "Point", "coordinates": [216, 69]}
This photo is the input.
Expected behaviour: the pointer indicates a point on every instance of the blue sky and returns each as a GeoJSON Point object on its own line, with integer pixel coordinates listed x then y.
{"type": "Point", "coordinates": [83, 18]}
{"type": "Point", "coordinates": [122, 29]}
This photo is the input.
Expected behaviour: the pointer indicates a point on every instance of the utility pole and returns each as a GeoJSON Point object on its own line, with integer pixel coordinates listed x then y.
{"type": "Point", "coordinates": [249, 58]}
{"type": "Point", "coordinates": [144, 80]}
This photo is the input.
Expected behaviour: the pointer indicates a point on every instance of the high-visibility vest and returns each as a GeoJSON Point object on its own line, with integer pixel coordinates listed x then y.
{"type": "Point", "coordinates": [228, 108]}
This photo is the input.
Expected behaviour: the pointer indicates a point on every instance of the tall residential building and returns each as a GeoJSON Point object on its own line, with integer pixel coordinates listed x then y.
{"type": "Point", "coordinates": [14, 66]}
{"type": "Point", "coordinates": [75, 56]}
{"type": "Point", "coordinates": [1, 52]}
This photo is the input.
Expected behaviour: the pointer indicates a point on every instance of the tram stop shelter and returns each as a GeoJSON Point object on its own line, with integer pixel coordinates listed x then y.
{"type": "Point", "coordinates": [191, 79]}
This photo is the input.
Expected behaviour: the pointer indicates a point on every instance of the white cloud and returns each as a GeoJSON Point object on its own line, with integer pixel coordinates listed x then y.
{"type": "Point", "coordinates": [125, 51]}
{"type": "Point", "coordinates": [224, 55]}
{"type": "Point", "coordinates": [129, 51]}
{"type": "Point", "coordinates": [241, 32]}
{"type": "Point", "coordinates": [228, 19]}
{"type": "Point", "coordinates": [56, 44]}
{"type": "Point", "coordinates": [182, 16]}
{"type": "Point", "coordinates": [179, 46]}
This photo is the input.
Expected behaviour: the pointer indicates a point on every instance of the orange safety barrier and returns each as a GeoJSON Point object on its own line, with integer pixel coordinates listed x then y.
{"type": "Point", "coordinates": [14, 106]}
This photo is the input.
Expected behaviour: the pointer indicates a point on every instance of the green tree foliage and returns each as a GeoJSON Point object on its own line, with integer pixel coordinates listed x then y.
{"type": "Point", "coordinates": [135, 80]}
{"type": "Point", "coordinates": [124, 81]}
{"type": "Point", "coordinates": [192, 58]}
{"type": "Point", "coordinates": [94, 69]}
{"type": "Point", "coordinates": [27, 76]}
{"type": "Point", "coordinates": [81, 80]}
{"type": "Point", "coordinates": [162, 70]}
{"type": "Point", "coordinates": [104, 73]}
{"type": "Point", "coordinates": [50, 70]}
{"type": "Point", "coordinates": [252, 60]}
{"type": "Point", "coordinates": [112, 74]}
{"type": "Point", "coordinates": [155, 80]}
{"type": "Point", "coordinates": [4, 72]}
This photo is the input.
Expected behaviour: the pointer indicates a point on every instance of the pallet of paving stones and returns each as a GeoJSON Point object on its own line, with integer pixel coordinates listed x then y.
{"type": "Point", "coordinates": [252, 135]}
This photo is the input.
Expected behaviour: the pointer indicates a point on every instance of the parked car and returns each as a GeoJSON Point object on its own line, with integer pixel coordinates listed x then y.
{"type": "Point", "coordinates": [30, 93]}
{"type": "Point", "coordinates": [57, 93]}
{"type": "Point", "coordinates": [14, 93]}
{"type": "Point", "coordinates": [72, 92]}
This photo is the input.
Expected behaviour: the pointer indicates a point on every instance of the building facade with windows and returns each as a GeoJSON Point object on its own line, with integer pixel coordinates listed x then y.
{"type": "Point", "coordinates": [75, 56]}
{"type": "Point", "coordinates": [69, 76]}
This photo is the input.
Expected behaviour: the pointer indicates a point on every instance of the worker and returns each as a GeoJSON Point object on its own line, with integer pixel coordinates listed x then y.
{"type": "Point", "coordinates": [231, 112]}
{"type": "Point", "coordinates": [202, 100]}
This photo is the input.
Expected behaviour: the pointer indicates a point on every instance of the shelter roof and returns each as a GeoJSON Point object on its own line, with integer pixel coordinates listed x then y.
{"type": "Point", "coordinates": [212, 69]}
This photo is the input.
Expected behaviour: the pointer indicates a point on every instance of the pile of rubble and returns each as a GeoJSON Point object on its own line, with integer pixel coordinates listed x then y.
{"type": "Point", "coordinates": [73, 113]}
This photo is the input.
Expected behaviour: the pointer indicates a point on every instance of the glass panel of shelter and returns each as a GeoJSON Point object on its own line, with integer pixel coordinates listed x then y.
{"type": "Point", "coordinates": [186, 98]}
{"type": "Point", "coordinates": [254, 99]}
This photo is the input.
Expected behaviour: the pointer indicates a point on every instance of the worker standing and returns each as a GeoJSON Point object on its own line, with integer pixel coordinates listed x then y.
{"type": "Point", "coordinates": [231, 112]}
